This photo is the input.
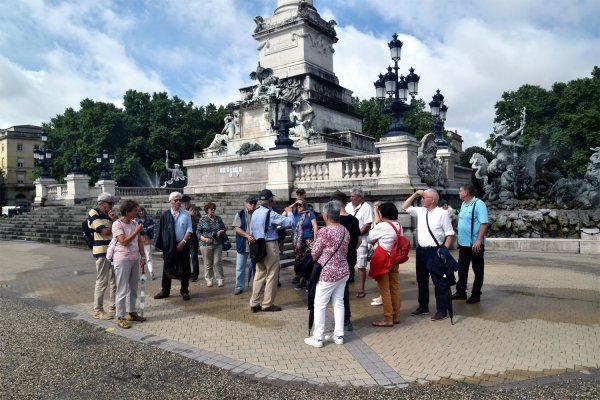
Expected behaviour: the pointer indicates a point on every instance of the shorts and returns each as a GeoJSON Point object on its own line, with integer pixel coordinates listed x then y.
{"type": "Point", "coordinates": [361, 257]}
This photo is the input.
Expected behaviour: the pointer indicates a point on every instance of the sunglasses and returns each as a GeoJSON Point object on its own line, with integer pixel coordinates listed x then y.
{"type": "Point", "coordinates": [213, 209]}
{"type": "Point", "coordinates": [110, 203]}
{"type": "Point", "coordinates": [252, 203]}
{"type": "Point", "coordinates": [177, 200]}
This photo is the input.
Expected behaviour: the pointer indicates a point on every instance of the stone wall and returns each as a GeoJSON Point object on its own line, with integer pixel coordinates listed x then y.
{"type": "Point", "coordinates": [543, 223]}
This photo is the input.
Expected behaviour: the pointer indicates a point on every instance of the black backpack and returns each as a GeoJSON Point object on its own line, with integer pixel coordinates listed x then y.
{"type": "Point", "coordinates": [87, 233]}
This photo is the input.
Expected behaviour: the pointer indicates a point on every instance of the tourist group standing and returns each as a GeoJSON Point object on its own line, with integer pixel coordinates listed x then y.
{"type": "Point", "coordinates": [334, 252]}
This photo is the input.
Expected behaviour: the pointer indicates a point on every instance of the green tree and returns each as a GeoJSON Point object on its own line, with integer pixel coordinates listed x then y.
{"type": "Point", "coordinates": [567, 117]}
{"type": "Point", "coordinates": [466, 155]}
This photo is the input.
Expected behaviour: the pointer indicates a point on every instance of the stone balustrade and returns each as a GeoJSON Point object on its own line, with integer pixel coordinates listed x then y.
{"type": "Point", "coordinates": [337, 169]}
{"type": "Point", "coordinates": [141, 191]}
{"type": "Point", "coordinates": [56, 192]}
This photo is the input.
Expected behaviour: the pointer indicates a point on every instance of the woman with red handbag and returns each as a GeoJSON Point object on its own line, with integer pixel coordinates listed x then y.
{"type": "Point", "coordinates": [384, 234]}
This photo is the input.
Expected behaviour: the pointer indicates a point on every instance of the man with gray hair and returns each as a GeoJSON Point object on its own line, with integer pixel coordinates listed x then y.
{"type": "Point", "coordinates": [433, 227]}
{"type": "Point", "coordinates": [363, 212]}
{"type": "Point", "coordinates": [174, 234]}
{"type": "Point", "coordinates": [100, 221]}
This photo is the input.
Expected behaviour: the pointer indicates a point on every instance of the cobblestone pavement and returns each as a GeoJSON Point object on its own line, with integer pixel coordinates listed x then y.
{"type": "Point", "coordinates": [539, 318]}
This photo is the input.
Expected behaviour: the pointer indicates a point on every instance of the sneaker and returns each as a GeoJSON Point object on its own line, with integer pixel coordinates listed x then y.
{"type": "Point", "coordinates": [473, 299]}
{"type": "Point", "coordinates": [439, 316]}
{"type": "Point", "coordinates": [122, 322]}
{"type": "Point", "coordinates": [419, 311]}
{"type": "Point", "coordinates": [314, 342]}
{"type": "Point", "coordinates": [334, 339]}
{"type": "Point", "coordinates": [377, 302]}
{"type": "Point", "coordinates": [459, 296]}
{"type": "Point", "coordinates": [160, 295]}
{"type": "Point", "coordinates": [220, 283]}
{"type": "Point", "coordinates": [237, 291]}
{"type": "Point", "coordinates": [133, 316]}
{"type": "Point", "coordinates": [348, 326]}
{"type": "Point", "coordinates": [112, 309]}
{"type": "Point", "coordinates": [209, 283]}
{"type": "Point", "coordinates": [102, 315]}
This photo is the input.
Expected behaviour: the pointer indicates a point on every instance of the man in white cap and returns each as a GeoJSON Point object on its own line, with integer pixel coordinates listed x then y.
{"type": "Point", "coordinates": [100, 221]}
{"type": "Point", "coordinates": [173, 238]}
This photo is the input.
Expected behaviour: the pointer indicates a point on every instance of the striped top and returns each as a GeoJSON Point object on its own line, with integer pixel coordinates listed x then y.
{"type": "Point", "coordinates": [97, 222]}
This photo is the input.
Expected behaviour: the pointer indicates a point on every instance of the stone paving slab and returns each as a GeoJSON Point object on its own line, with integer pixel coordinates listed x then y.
{"type": "Point", "coordinates": [540, 316]}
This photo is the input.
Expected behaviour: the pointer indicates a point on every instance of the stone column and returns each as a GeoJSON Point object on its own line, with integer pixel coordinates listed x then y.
{"type": "Point", "coordinates": [448, 162]}
{"type": "Point", "coordinates": [398, 158]}
{"type": "Point", "coordinates": [78, 188]}
{"type": "Point", "coordinates": [41, 190]}
{"type": "Point", "coordinates": [108, 186]}
{"type": "Point", "coordinates": [280, 171]}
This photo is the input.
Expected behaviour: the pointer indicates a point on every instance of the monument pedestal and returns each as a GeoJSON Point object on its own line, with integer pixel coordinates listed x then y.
{"type": "Point", "coordinates": [398, 157]}
{"type": "Point", "coordinates": [107, 185]}
{"type": "Point", "coordinates": [78, 188]}
{"type": "Point", "coordinates": [41, 190]}
{"type": "Point", "coordinates": [448, 162]}
{"type": "Point", "coordinates": [281, 173]}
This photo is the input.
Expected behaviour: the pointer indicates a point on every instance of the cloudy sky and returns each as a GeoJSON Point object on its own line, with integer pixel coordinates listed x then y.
{"type": "Point", "coordinates": [55, 53]}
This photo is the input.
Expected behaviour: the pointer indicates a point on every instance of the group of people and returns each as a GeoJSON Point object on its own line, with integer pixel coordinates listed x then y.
{"type": "Point", "coordinates": [339, 248]}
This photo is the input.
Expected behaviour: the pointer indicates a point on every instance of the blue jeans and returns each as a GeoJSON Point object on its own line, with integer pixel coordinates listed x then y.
{"type": "Point", "coordinates": [240, 270]}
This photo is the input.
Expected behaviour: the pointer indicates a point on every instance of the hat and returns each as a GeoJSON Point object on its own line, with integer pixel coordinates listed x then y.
{"type": "Point", "coordinates": [185, 198]}
{"type": "Point", "coordinates": [300, 191]}
{"type": "Point", "coordinates": [175, 195]}
{"type": "Point", "coordinates": [340, 196]}
{"type": "Point", "coordinates": [251, 199]}
{"type": "Point", "coordinates": [106, 197]}
{"type": "Point", "coordinates": [266, 194]}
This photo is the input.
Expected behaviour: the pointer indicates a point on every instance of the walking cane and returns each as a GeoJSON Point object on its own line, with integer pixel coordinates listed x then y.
{"type": "Point", "coordinates": [142, 289]}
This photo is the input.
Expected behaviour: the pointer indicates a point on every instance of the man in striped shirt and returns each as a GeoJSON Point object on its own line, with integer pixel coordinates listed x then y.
{"type": "Point", "coordinates": [100, 220]}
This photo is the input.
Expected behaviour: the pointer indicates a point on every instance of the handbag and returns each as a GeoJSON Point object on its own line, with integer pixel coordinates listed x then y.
{"type": "Point", "coordinates": [443, 266]}
{"type": "Point", "coordinates": [258, 248]}
{"type": "Point", "coordinates": [226, 242]}
{"type": "Point", "coordinates": [315, 274]}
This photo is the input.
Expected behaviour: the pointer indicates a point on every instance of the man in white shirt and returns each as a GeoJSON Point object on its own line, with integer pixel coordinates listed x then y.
{"type": "Point", "coordinates": [364, 213]}
{"type": "Point", "coordinates": [435, 221]}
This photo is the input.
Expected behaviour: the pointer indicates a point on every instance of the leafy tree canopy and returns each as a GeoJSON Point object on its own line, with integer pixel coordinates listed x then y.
{"type": "Point", "coordinates": [137, 135]}
{"type": "Point", "coordinates": [375, 123]}
{"type": "Point", "coordinates": [567, 117]}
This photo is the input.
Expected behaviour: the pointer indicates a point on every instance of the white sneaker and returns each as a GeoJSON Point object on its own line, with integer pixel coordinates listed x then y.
{"type": "Point", "coordinates": [314, 342]}
{"type": "Point", "coordinates": [220, 283]}
{"type": "Point", "coordinates": [334, 339]}
{"type": "Point", "coordinates": [377, 302]}
{"type": "Point", "coordinates": [209, 283]}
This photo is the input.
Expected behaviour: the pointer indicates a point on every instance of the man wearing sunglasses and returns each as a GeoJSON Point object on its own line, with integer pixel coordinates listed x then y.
{"type": "Point", "coordinates": [173, 238]}
{"type": "Point", "coordinates": [100, 221]}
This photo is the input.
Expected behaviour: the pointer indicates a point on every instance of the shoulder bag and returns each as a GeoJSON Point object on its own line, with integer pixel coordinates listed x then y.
{"type": "Point", "coordinates": [258, 248]}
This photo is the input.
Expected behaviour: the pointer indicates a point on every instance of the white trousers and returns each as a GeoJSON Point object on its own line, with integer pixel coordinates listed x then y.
{"type": "Point", "coordinates": [324, 292]}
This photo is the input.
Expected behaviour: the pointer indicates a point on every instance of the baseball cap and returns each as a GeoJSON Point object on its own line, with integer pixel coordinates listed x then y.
{"type": "Point", "coordinates": [185, 198]}
{"type": "Point", "coordinates": [266, 194]}
{"type": "Point", "coordinates": [251, 199]}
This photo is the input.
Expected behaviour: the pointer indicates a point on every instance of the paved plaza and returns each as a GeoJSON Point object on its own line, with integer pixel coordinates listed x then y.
{"type": "Point", "coordinates": [539, 317]}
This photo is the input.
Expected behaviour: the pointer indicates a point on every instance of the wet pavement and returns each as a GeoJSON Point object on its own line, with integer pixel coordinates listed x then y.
{"type": "Point", "coordinates": [539, 318]}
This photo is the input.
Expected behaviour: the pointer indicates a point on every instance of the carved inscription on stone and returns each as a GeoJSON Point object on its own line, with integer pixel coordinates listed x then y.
{"type": "Point", "coordinates": [231, 171]}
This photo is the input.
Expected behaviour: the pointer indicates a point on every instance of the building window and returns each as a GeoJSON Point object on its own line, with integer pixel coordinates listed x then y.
{"type": "Point", "coordinates": [20, 178]}
{"type": "Point", "coordinates": [20, 162]}
{"type": "Point", "coordinates": [19, 146]}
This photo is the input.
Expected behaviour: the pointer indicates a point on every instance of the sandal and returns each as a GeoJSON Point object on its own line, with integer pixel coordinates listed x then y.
{"type": "Point", "coordinates": [383, 324]}
{"type": "Point", "coordinates": [133, 316]}
{"type": "Point", "coordinates": [122, 322]}
{"type": "Point", "coordinates": [360, 295]}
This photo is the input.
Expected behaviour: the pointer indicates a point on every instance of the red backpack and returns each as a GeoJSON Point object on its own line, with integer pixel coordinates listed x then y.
{"type": "Point", "coordinates": [400, 248]}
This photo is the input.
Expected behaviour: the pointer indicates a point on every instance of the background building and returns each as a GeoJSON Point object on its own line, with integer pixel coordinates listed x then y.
{"type": "Point", "coordinates": [17, 144]}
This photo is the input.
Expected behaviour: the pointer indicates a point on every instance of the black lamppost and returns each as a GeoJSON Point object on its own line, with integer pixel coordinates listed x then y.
{"type": "Point", "coordinates": [282, 127]}
{"type": "Point", "coordinates": [43, 157]}
{"type": "Point", "coordinates": [76, 159]}
{"type": "Point", "coordinates": [439, 110]}
{"type": "Point", "coordinates": [397, 88]}
{"type": "Point", "coordinates": [105, 161]}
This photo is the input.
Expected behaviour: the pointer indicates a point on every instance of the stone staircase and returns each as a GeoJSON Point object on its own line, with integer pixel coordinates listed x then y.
{"type": "Point", "coordinates": [61, 225]}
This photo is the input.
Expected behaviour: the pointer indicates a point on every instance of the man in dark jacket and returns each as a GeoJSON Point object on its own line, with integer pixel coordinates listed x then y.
{"type": "Point", "coordinates": [241, 224]}
{"type": "Point", "coordinates": [173, 237]}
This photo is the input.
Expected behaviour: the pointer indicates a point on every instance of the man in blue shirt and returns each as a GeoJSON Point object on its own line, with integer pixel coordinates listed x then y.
{"type": "Point", "coordinates": [472, 226]}
{"type": "Point", "coordinates": [175, 232]}
{"type": "Point", "coordinates": [267, 270]}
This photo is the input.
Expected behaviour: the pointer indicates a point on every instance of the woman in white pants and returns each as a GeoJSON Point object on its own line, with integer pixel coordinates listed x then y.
{"type": "Point", "coordinates": [330, 250]}
{"type": "Point", "coordinates": [126, 259]}
{"type": "Point", "coordinates": [147, 235]}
